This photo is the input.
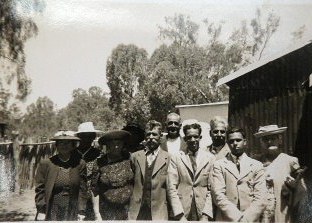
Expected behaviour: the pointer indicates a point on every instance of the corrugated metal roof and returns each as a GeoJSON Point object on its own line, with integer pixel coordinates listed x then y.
{"type": "Point", "coordinates": [260, 63]}
{"type": "Point", "coordinates": [200, 105]}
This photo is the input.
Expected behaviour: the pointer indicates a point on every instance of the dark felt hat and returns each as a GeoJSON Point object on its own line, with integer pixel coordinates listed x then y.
{"type": "Point", "coordinates": [135, 130]}
{"type": "Point", "coordinates": [115, 134]}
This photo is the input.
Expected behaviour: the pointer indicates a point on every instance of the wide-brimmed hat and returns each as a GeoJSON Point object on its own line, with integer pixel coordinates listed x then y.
{"type": "Point", "coordinates": [115, 134]}
{"type": "Point", "coordinates": [135, 130]}
{"type": "Point", "coordinates": [269, 130]}
{"type": "Point", "coordinates": [87, 127]}
{"type": "Point", "coordinates": [65, 135]}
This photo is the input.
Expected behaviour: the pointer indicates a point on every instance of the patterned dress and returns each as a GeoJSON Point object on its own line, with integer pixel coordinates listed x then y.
{"type": "Point", "coordinates": [114, 183]}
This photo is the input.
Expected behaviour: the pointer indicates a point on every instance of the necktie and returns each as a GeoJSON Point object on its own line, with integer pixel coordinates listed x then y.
{"type": "Point", "coordinates": [193, 161]}
{"type": "Point", "coordinates": [238, 165]}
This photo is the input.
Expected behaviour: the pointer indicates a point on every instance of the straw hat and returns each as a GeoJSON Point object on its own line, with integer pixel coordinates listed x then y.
{"type": "Point", "coordinates": [269, 130]}
{"type": "Point", "coordinates": [115, 134]}
{"type": "Point", "coordinates": [87, 127]}
{"type": "Point", "coordinates": [65, 135]}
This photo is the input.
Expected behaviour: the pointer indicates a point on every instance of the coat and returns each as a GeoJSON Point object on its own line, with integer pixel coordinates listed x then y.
{"type": "Point", "coordinates": [158, 194]}
{"type": "Point", "coordinates": [44, 180]}
{"type": "Point", "coordinates": [222, 153]}
{"type": "Point", "coordinates": [238, 195]}
{"type": "Point", "coordinates": [164, 146]}
{"type": "Point", "coordinates": [183, 184]}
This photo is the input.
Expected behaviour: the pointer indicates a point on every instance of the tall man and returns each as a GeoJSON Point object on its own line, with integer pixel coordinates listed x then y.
{"type": "Point", "coordinates": [218, 127]}
{"type": "Point", "coordinates": [148, 201]}
{"type": "Point", "coordinates": [238, 183]}
{"type": "Point", "coordinates": [188, 190]}
{"type": "Point", "coordinates": [173, 142]}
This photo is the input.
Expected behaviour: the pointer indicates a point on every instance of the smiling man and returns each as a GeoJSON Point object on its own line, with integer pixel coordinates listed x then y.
{"type": "Point", "coordinates": [173, 142]}
{"type": "Point", "coordinates": [188, 190]}
{"type": "Point", "coordinates": [238, 183]}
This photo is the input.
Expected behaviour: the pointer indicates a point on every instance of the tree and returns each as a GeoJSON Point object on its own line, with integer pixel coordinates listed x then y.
{"type": "Point", "coordinates": [91, 105]}
{"type": "Point", "coordinates": [125, 72]}
{"type": "Point", "coordinates": [16, 27]}
{"type": "Point", "coordinates": [39, 120]}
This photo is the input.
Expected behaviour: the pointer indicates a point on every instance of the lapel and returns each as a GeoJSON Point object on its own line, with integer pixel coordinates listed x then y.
{"type": "Point", "coordinates": [230, 166]}
{"type": "Point", "coordinates": [245, 165]}
{"type": "Point", "coordinates": [187, 162]}
{"type": "Point", "coordinates": [160, 161]}
{"type": "Point", "coordinates": [141, 159]}
{"type": "Point", "coordinates": [202, 160]}
{"type": "Point", "coordinates": [52, 174]}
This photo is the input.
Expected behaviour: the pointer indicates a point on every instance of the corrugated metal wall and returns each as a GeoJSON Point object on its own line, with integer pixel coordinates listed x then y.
{"type": "Point", "coordinates": [273, 94]}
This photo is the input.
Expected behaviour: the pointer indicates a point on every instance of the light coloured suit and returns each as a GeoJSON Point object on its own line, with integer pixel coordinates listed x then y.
{"type": "Point", "coordinates": [183, 184]}
{"type": "Point", "coordinates": [158, 193]}
{"type": "Point", "coordinates": [238, 195]}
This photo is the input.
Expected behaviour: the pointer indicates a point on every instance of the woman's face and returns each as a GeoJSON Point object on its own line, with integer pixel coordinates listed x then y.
{"type": "Point", "coordinates": [270, 142]}
{"type": "Point", "coordinates": [65, 146]}
{"type": "Point", "coordinates": [115, 146]}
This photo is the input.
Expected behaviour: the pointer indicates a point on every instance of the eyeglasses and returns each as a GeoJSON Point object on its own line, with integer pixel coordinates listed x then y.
{"type": "Point", "coordinates": [216, 131]}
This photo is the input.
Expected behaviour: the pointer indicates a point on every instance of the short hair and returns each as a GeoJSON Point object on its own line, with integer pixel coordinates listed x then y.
{"type": "Point", "coordinates": [216, 120]}
{"type": "Point", "coordinates": [152, 124]}
{"type": "Point", "coordinates": [192, 126]}
{"type": "Point", "coordinates": [174, 114]}
{"type": "Point", "coordinates": [232, 130]}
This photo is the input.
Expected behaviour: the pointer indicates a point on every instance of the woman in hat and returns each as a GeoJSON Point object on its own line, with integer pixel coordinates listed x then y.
{"type": "Point", "coordinates": [61, 182]}
{"type": "Point", "coordinates": [113, 180]}
{"type": "Point", "coordinates": [283, 175]}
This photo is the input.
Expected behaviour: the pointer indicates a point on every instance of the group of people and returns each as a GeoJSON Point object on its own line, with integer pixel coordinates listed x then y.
{"type": "Point", "coordinates": [147, 175]}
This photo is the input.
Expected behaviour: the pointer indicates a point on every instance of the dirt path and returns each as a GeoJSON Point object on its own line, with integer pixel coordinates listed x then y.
{"type": "Point", "coordinates": [18, 207]}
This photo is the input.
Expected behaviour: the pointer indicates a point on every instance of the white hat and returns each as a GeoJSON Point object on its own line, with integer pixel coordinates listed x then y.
{"type": "Point", "coordinates": [87, 127]}
{"type": "Point", "coordinates": [269, 130]}
{"type": "Point", "coordinates": [65, 135]}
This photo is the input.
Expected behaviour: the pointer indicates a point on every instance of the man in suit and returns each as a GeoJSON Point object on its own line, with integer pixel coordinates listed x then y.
{"type": "Point", "coordinates": [238, 183]}
{"type": "Point", "coordinates": [187, 180]}
{"type": "Point", "coordinates": [219, 148]}
{"type": "Point", "coordinates": [173, 143]}
{"type": "Point", "coordinates": [148, 201]}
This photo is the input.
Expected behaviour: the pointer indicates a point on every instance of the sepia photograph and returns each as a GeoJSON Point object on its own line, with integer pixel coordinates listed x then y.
{"type": "Point", "coordinates": [156, 110]}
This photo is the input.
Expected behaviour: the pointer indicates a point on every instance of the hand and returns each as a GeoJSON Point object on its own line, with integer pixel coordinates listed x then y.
{"type": "Point", "coordinates": [290, 182]}
{"type": "Point", "coordinates": [40, 217]}
{"type": "Point", "coordinates": [204, 218]}
{"type": "Point", "coordinates": [80, 217]}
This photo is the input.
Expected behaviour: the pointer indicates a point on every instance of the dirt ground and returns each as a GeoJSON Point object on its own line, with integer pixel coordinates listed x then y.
{"type": "Point", "coordinates": [17, 207]}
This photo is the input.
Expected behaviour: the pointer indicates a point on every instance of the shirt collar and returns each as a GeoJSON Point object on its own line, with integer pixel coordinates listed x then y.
{"type": "Point", "coordinates": [154, 152]}
{"type": "Point", "coordinates": [237, 159]}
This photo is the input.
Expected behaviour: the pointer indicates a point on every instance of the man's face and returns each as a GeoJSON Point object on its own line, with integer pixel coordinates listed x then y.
{"type": "Point", "coordinates": [270, 142]}
{"type": "Point", "coordinates": [237, 143]}
{"type": "Point", "coordinates": [218, 134]}
{"type": "Point", "coordinates": [173, 126]}
{"type": "Point", "coordinates": [87, 137]}
{"type": "Point", "coordinates": [152, 139]}
{"type": "Point", "coordinates": [192, 138]}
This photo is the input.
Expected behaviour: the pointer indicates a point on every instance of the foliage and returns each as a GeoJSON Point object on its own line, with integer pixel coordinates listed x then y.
{"type": "Point", "coordinates": [183, 72]}
{"type": "Point", "coordinates": [91, 105]}
{"type": "Point", "coordinates": [15, 29]}
{"type": "Point", "coordinates": [39, 120]}
{"type": "Point", "coordinates": [125, 74]}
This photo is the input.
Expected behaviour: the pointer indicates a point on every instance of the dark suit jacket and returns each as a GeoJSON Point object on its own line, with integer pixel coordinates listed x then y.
{"type": "Point", "coordinates": [158, 197]}
{"type": "Point", "coordinates": [45, 178]}
{"type": "Point", "coordinates": [163, 144]}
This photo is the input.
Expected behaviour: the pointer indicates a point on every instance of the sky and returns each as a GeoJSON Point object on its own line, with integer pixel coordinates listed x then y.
{"type": "Point", "coordinates": [77, 36]}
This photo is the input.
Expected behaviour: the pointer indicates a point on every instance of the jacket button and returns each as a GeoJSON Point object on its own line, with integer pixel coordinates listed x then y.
{"type": "Point", "coordinates": [239, 182]}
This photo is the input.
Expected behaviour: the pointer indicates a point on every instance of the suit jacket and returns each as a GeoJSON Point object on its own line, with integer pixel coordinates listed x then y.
{"type": "Point", "coordinates": [45, 178]}
{"type": "Point", "coordinates": [183, 183]}
{"type": "Point", "coordinates": [164, 146]}
{"type": "Point", "coordinates": [238, 195]}
{"type": "Point", "coordinates": [158, 194]}
{"type": "Point", "coordinates": [222, 153]}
